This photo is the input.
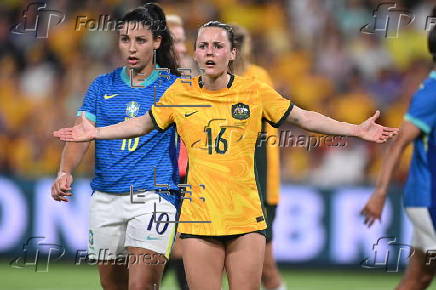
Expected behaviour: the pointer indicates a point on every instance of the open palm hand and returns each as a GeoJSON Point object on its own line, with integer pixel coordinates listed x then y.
{"type": "Point", "coordinates": [85, 131]}
{"type": "Point", "coordinates": [371, 131]}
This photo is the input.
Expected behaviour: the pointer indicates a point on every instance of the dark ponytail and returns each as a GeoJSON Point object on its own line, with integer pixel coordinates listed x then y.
{"type": "Point", "coordinates": [152, 16]}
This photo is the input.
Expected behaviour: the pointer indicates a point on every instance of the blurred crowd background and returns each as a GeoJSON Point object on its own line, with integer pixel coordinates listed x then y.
{"type": "Point", "coordinates": [313, 49]}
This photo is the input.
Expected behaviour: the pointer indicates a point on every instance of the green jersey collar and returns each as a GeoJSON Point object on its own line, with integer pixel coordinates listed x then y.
{"type": "Point", "coordinates": [148, 81]}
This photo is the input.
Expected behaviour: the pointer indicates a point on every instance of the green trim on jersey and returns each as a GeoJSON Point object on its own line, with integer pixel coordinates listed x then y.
{"type": "Point", "coordinates": [88, 115]}
{"type": "Point", "coordinates": [418, 123]}
{"type": "Point", "coordinates": [148, 81]}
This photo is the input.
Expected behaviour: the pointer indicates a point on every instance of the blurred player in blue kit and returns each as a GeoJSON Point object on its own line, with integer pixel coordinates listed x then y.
{"type": "Point", "coordinates": [419, 127]}
{"type": "Point", "coordinates": [118, 226]}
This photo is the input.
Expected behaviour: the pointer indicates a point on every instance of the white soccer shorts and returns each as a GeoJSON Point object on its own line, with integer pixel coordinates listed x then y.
{"type": "Point", "coordinates": [116, 223]}
{"type": "Point", "coordinates": [424, 235]}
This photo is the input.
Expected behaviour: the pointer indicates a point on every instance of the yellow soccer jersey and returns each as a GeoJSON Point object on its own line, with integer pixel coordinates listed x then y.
{"type": "Point", "coordinates": [219, 129]}
{"type": "Point", "coordinates": [258, 73]}
{"type": "Point", "coordinates": [271, 162]}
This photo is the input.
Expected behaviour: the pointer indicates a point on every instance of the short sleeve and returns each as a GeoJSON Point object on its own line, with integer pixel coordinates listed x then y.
{"type": "Point", "coordinates": [89, 101]}
{"type": "Point", "coordinates": [422, 109]}
{"type": "Point", "coordinates": [275, 108]}
{"type": "Point", "coordinates": [162, 113]}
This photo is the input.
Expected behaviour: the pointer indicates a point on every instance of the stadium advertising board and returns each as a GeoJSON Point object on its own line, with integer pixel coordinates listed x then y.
{"type": "Point", "coordinates": [313, 226]}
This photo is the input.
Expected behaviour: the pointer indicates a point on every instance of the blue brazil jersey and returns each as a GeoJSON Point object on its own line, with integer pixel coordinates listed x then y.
{"type": "Point", "coordinates": [147, 162]}
{"type": "Point", "coordinates": [422, 113]}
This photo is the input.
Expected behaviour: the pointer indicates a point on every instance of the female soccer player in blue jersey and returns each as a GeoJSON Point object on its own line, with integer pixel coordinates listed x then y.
{"type": "Point", "coordinates": [121, 227]}
{"type": "Point", "coordinates": [220, 127]}
{"type": "Point", "coordinates": [419, 127]}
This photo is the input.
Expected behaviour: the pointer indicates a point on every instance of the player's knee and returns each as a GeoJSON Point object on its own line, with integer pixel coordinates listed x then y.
{"type": "Point", "coordinates": [425, 281]}
{"type": "Point", "coordinates": [250, 284]}
{"type": "Point", "coordinates": [113, 284]}
{"type": "Point", "coordinates": [268, 272]}
{"type": "Point", "coordinates": [137, 284]}
{"type": "Point", "coordinates": [421, 282]}
{"type": "Point", "coordinates": [254, 286]}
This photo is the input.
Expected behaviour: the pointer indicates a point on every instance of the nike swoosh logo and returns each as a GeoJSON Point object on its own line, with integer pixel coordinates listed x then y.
{"type": "Point", "coordinates": [190, 114]}
{"type": "Point", "coordinates": [106, 97]}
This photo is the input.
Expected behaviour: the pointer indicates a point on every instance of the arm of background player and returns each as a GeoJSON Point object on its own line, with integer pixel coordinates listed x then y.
{"type": "Point", "coordinates": [316, 122]}
{"type": "Point", "coordinates": [85, 131]}
{"type": "Point", "coordinates": [374, 207]}
{"type": "Point", "coordinates": [72, 154]}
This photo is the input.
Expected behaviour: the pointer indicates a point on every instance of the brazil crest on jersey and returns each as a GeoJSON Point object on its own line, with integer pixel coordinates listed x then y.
{"type": "Point", "coordinates": [422, 113]}
{"type": "Point", "coordinates": [147, 162]}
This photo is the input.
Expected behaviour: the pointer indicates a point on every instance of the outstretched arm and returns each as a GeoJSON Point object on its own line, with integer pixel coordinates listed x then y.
{"type": "Point", "coordinates": [374, 207]}
{"type": "Point", "coordinates": [316, 122]}
{"type": "Point", "coordinates": [70, 159]}
{"type": "Point", "coordinates": [86, 131]}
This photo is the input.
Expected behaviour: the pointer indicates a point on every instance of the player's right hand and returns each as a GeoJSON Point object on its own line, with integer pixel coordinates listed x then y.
{"type": "Point", "coordinates": [85, 131]}
{"type": "Point", "coordinates": [373, 208]}
{"type": "Point", "coordinates": [62, 187]}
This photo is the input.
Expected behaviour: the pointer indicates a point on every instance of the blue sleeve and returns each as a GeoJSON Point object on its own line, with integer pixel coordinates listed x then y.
{"type": "Point", "coordinates": [90, 100]}
{"type": "Point", "coordinates": [422, 109]}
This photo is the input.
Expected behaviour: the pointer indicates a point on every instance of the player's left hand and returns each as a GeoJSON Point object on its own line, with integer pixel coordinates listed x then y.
{"type": "Point", "coordinates": [373, 208]}
{"type": "Point", "coordinates": [61, 188]}
{"type": "Point", "coordinates": [371, 131]}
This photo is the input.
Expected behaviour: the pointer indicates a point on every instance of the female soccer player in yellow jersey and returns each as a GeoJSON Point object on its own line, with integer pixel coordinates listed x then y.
{"type": "Point", "coordinates": [219, 118]}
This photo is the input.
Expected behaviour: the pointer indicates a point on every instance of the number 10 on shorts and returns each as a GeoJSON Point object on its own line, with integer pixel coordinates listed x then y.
{"type": "Point", "coordinates": [160, 224]}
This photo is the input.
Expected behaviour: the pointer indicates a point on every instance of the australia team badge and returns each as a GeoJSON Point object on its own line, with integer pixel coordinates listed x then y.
{"type": "Point", "coordinates": [240, 111]}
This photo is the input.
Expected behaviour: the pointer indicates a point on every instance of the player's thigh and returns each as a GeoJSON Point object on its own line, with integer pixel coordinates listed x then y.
{"type": "Point", "coordinates": [203, 259]}
{"type": "Point", "coordinates": [270, 272]}
{"type": "Point", "coordinates": [269, 258]}
{"type": "Point", "coordinates": [422, 265]}
{"type": "Point", "coordinates": [113, 276]}
{"type": "Point", "coordinates": [151, 225]}
{"type": "Point", "coordinates": [149, 238]}
{"type": "Point", "coordinates": [244, 258]}
{"type": "Point", "coordinates": [419, 272]}
{"type": "Point", "coordinates": [107, 227]}
{"type": "Point", "coordinates": [176, 252]}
